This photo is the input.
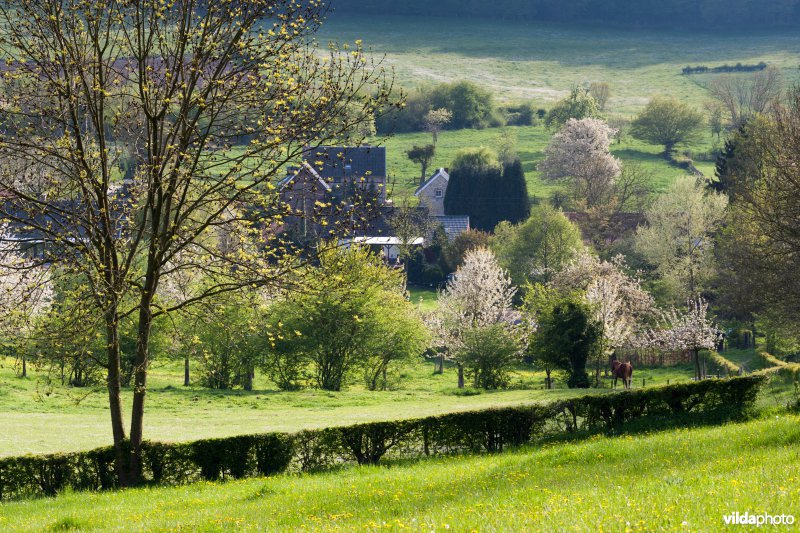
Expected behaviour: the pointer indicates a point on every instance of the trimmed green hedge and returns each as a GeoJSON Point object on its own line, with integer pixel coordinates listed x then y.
{"type": "Point", "coordinates": [488, 430]}
{"type": "Point", "coordinates": [724, 364]}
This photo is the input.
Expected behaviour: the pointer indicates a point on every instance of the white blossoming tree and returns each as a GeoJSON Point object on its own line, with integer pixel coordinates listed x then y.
{"type": "Point", "coordinates": [479, 295]}
{"type": "Point", "coordinates": [579, 154]}
{"type": "Point", "coordinates": [690, 330]}
{"type": "Point", "coordinates": [619, 303]}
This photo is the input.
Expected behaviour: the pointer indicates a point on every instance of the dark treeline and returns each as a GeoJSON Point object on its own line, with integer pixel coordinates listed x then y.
{"type": "Point", "coordinates": [708, 14]}
{"type": "Point", "coordinates": [724, 69]}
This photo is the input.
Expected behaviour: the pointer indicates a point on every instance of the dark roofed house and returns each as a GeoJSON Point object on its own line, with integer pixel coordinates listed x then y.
{"type": "Point", "coordinates": [303, 191]}
{"type": "Point", "coordinates": [348, 167]}
{"type": "Point", "coordinates": [326, 181]}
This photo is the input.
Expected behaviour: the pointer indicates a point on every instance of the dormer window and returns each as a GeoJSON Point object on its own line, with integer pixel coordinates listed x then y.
{"type": "Point", "coordinates": [438, 193]}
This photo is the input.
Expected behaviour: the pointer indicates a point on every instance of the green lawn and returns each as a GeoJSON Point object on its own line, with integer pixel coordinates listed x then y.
{"type": "Point", "coordinates": [425, 299]}
{"type": "Point", "coordinates": [542, 62]}
{"type": "Point", "coordinates": [680, 480]}
{"type": "Point", "coordinates": [746, 358]}
{"type": "Point", "coordinates": [38, 417]}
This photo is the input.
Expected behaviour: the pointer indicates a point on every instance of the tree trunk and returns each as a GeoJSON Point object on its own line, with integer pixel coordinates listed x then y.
{"type": "Point", "coordinates": [669, 149]}
{"type": "Point", "coordinates": [460, 377]}
{"type": "Point", "coordinates": [24, 366]}
{"type": "Point", "coordinates": [140, 380]}
{"type": "Point", "coordinates": [547, 379]}
{"type": "Point", "coordinates": [186, 371]}
{"type": "Point", "coordinates": [121, 457]}
{"type": "Point", "coordinates": [248, 380]}
{"type": "Point", "coordinates": [597, 375]}
{"type": "Point", "coordinates": [439, 366]}
{"type": "Point", "coordinates": [697, 364]}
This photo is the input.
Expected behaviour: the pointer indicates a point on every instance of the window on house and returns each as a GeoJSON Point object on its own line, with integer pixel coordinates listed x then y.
{"type": "Point", "coordinates": [438, 193]}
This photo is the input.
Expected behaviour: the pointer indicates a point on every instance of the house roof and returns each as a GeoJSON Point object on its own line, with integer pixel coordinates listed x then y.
{"type": "Point", "coordinates": [453, 225]}
{"type": "Point", "coordinates": [386, 241]}
{"type": "Point", "coordinates": [339, 162]}
{"type": "Point", "coordinates": [441, 172]}
{"type": "Point", "coordinates": [305, 167]}
{"type": "Point", "coordinates": [619, 225]}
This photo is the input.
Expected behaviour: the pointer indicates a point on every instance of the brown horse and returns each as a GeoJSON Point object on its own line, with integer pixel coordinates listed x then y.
{"type": "Point", "coordinates": [622, 370]}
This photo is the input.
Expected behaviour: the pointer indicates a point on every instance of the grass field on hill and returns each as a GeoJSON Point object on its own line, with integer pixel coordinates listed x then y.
{"type": "Point", "coordinates": [680, 480]}
{"type": "Point", "coordinates": [41, 418]}
{"type": "Point", "coordinates": [542, 62]}
{"type": "Point", "coordinates": [531, 143]}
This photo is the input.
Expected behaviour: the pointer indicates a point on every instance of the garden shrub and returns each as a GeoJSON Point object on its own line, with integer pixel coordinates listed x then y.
{"type": "Point", "coordinates": [487, 430]}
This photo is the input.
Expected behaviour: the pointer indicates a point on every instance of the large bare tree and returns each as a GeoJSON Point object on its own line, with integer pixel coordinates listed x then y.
{"type": "Point", "coordinates": [743, 97]}
{"type": "Point", "coordinates": [200, 104]}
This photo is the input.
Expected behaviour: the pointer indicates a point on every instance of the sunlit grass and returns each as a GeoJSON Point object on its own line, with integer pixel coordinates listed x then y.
{"type": "Point", "coordinates": [680, 480]}
{"type": "Point", "coordinates": [425, 298]}
{"type": "Point", "coordinates": [42, 416]}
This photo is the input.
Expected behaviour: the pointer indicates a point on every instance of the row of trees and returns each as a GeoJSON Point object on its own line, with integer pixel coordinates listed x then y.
{"type": "Point", "coordinates": [465, 105]}
{"type": "Point", "coordinates": [581, 316]}
{"type": "Point", "coordinates": [352, 321]}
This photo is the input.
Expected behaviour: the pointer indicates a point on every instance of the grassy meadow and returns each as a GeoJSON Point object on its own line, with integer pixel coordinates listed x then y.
{"type": "Point", "coordinates": [681, 480]}
{"type": "Point", "coordinates": [42, 416]}
{"type": "Point", "coordinates": [542, 62]}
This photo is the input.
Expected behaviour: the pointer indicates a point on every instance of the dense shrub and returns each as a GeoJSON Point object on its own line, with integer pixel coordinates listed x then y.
{"type": "Point", "coordinates": [520, 114]}
{"type": "Point", "coordinates": [488, 354]}
{"type": "Point", "coordinates": [355, 317]}
{"type": "Point", "coordinates": [488, 430]}
{"type": "Point", "coordinates": [471, 107]}
{"type": "Point", "coordinates": [578, 105]}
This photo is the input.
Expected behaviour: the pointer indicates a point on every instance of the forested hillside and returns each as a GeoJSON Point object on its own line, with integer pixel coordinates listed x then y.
{"type": "Point", "coordinates": [708, 14]}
